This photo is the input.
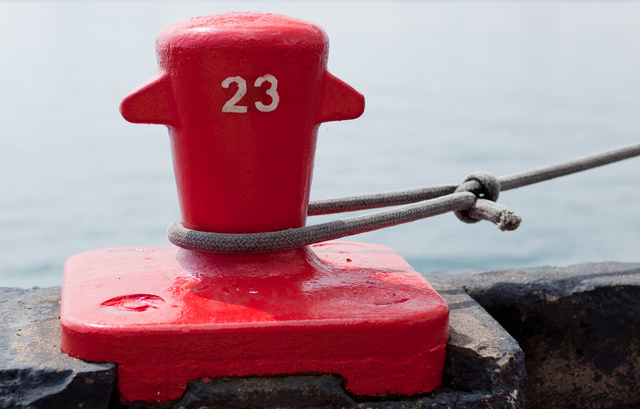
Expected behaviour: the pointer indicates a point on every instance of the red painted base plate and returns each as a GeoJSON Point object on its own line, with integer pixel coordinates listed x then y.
{"type": "Point", "coordinates": [168, 316]}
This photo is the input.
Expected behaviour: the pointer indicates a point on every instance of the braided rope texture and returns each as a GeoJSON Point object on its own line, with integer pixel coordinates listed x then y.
{"type": "Point", "coordinates": [471, 201]}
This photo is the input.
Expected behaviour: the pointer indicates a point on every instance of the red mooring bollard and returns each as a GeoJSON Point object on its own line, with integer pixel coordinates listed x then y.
{"type": "Point", "coordinates": [243, 95]}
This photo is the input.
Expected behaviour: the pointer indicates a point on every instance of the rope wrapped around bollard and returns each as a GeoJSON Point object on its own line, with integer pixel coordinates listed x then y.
{"type": "Point", "coordinates": [303, 236]}
{"type": "Point", "coordinates": [471, 201]}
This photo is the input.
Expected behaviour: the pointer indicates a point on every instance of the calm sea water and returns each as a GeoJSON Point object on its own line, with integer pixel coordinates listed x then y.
{"type": "Point", "coordinates": [451, 88]}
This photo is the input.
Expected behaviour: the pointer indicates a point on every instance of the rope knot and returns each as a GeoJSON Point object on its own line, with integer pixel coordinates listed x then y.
{"type": "Point", "coordinates": [486, 188]}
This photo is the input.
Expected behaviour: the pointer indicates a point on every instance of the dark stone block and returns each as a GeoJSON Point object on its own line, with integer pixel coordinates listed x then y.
{"type": "Point", "coordinates": [578, 326]}
{"type": "Point", "coordinates": [34, 373]}
{"type": "Point", "coordinates": [299, 391]}
{"type": "Point", "coordinates": [485, 364]}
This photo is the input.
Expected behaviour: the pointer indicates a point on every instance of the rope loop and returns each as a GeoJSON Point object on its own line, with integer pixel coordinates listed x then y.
{"type": "Point", "coordinates": [482, 184]}
{"type": "Point", "coordinates": [486, 187]}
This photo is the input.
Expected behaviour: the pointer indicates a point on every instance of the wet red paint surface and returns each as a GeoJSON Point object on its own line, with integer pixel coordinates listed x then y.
{"type": "Point", "coordinates": [167, 316]}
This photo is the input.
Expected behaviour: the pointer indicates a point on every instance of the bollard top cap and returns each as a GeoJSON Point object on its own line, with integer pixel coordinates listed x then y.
{"type": "Point", "coordinates": [242, 28]}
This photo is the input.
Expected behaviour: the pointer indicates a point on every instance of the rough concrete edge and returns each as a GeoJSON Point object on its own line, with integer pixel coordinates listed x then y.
{"type": "Point", "coordinates": [478, 341]}
{"type": "Point", "coordinates": [34, 373]}
{"type": "Point", "coordinates": [560, 302]}
{"type": "Point", "coordinates": [560, 280]}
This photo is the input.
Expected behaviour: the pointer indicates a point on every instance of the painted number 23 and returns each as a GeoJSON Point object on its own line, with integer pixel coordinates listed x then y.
{"type": "Point", "coordinates": [232, 104]}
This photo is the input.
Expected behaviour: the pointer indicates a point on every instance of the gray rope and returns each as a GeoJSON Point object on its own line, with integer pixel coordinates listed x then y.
{"type": "Point", "coordinates": [544, 173]}
{"type": "Point", "coordinates": [303, 236]}
{"type": "Point", "coordinates": [377, 200]}
{"type": "Point", "coordinates": [508, 182]}
{"type": "Point", "coordinates": [472, 201]}
{"type": "Point", "coordinates": [483, 185]}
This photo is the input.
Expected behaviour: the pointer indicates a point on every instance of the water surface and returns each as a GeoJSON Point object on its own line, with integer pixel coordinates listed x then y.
{"type": "Point", "coordinates": [451, 88]}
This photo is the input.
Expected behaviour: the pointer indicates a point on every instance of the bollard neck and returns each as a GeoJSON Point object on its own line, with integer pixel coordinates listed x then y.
{"type": "Point", "coordinates": [298, 263]}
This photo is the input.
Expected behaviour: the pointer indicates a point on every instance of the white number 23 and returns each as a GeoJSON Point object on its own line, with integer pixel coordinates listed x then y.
{"type": "Point", "coordinates": [232, 104]}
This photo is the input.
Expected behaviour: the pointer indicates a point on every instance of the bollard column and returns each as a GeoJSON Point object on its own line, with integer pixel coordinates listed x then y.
{"type": "Point", "coordinates": [242, 95]}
